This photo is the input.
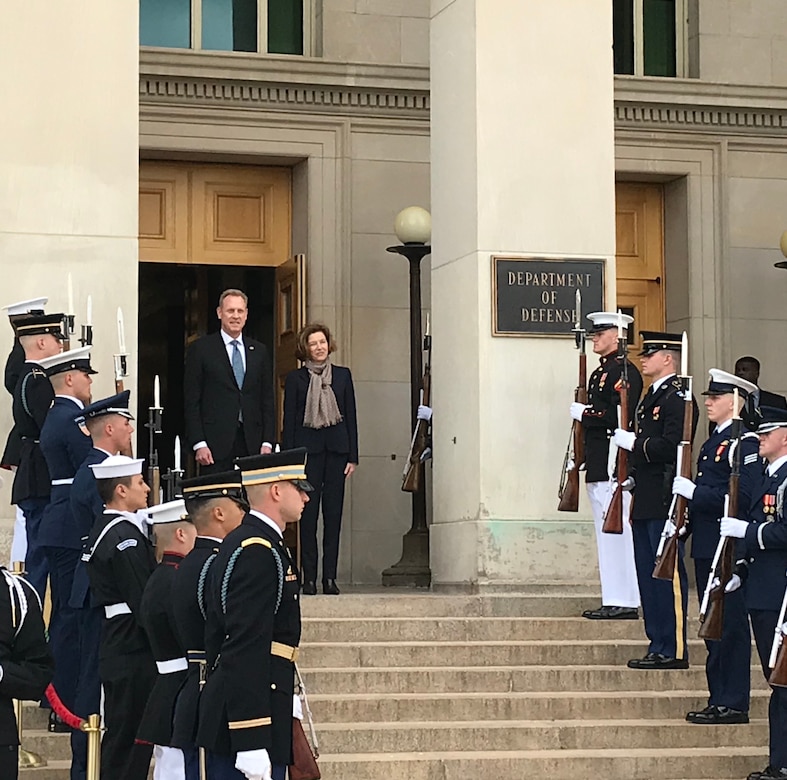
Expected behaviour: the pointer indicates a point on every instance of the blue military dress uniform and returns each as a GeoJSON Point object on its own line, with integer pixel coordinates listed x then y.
{"type": "Point", "coordinates": [728, 666]}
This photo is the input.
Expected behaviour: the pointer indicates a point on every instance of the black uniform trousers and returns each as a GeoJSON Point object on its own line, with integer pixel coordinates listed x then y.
{"type": "Point", "coordinates": [9, 762]}
{"type": "Point", "coordinates": [763, 625]}
{"type": "Point", "coordinates": [728, 666]}
{"type": "Point", "coordinates": [88, 694]}
{"type": "Point", "coordinates": [36, 564]}
{"type": "Point", "coordinates": [122, 757]}
{"type": "Point", "coordinates": [664, 603]}
{"type": "Point", "coordinates": [325, 472]}
{"type": "Point", "coordinates": [239, 450]}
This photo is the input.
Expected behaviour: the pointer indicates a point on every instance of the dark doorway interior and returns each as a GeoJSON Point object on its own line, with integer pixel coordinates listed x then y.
{"type": "Point", "coordinates": [177, 304]}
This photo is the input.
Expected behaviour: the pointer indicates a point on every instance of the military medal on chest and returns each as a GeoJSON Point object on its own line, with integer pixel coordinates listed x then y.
{"type": "Point", "coordinates": [769, 504]}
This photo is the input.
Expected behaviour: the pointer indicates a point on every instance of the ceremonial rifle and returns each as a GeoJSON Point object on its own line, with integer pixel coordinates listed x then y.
{"type": "Point", "coordinates": [667, 553]}
{"type": "Point", "coordinates": [121, 358]}
{"type": "Point", "coordinates": [778, 660]}
{"type": "Point", "coordinates": [568, 492]}
{"type": "Point", "coordinates": [153, 425]}
{"type": "Point", "coordinates": [722, 568]}
{"type": "Point", "coordinates": [613, 517]}
{"type": "Point", "coordinates": [412, 476]}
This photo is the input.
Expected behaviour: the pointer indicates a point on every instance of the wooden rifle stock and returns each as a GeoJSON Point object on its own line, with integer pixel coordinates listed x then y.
{"type": "Point", "coordinates": [575, 452]}
{"type": "Point", "coordinates": [154, 481]}
{"type": "Point", "coordinates": [613, 517]}
{"type": "Point", "coordinates": [778, 659]}
{"type": "Point", "coordinates": [667, 561]}
{"type": "Point", "coordinates": [413, 475]}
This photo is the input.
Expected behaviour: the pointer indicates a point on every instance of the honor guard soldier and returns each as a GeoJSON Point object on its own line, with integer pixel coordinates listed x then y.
{"type": "Point", "coordinates": [654, 447]}
{"type": "Point", "coordinates": [13, 446]}
{"type": "Point", "coordinates": [26, 664]}
{"type": "Point", "coordinates": [120, 559]}
{"type": "Point", "coordinates": [728, 666]}
{"type": "Point", "coordinates": [253, 627]}
{"type": "Point", "coordinates": [762, 568]}
{"type": "Point", "coordinates": [64, 445]}
{"type": "Point", "coordinates": [599, 418]}
{"type": "Point", "coordinates": [40, 337]}
{"type": "Point", "coordinates": [174, 536]}
{"type": "Point", "coordinates": [108, 422]}
{"type": "Point", "coordinates": [216, 504]}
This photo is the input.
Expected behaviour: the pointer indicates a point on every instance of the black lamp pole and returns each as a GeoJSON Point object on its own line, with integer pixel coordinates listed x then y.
{"type": "Point", "coordinates": [413, 566]}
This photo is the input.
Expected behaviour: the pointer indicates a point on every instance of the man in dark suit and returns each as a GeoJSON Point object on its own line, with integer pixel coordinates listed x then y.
{"type": "Point", "coordinates": [229, 406]}
{"type": "Point", "coordinates": [748, 368]}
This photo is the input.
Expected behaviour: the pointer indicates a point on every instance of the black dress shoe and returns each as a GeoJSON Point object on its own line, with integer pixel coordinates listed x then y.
{"type": "Point", "coordinates": [330, 588]}
{"type": "Point", "coordinates": [713, 715]}
{"type": "Point", "coordinates": [611, 613]}
{"type": "Point", "coordinates": [658, 661]}
{"type": "Point", "coordinates": [56, 725]}
{"type": "Point", "coordinates": [769, 773]}
{"type": "Point", "coordinates": [310, 588]}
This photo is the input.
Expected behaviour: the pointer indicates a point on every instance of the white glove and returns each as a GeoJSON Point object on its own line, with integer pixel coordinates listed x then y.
{"type": "Point", "coordinates": [731, 526]}
{"type": "Point", "coordinates": [426, 454]}
{"type": "Point", "coordinates": [683, 487]}
{"type": "Point", "coordinates": [624, 439]}
{"type": "Point", "coordinates": [424, 412]}
{"type": "Point", "coordinates": [255, 764]}
{"type": "Point", "coordinates": [669, 529]}
{"type": "Point", "coordinates": [1, 673]}
{"type": "Point", "coordinates": [733, 584]}
{"type": "Point", "coordinates": [576, 410]}
{"type": "Point", "coordinates": [297, 707]}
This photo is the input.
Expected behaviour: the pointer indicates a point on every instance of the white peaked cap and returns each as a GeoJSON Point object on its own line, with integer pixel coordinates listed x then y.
{"type": "Point", "coordinates": [610, 319]}
{"type": "Point", "coordinates": [23, 307]}
{"type": "Point", "coordinates": [171, 512]}
{"type": "Point", "coordinates": [117, 466]}
{"type": "Point", "coordinates": [73, 358]}
{"type": "Point", "coordinates": [724, 382]}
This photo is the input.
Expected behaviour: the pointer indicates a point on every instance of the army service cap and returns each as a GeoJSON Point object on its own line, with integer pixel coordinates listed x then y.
{"type": "Point", "coordinates": [604, 320]}
{"type": "Point", "coordinates": [73, 360]}
{"type": "Point", "coordinates": [223, 484]}
{"type": "Point", "coordinates": [722, 383]}
{"type": "Point", "coordinates": [39, 325]}
{"type": "Point", "coordinates": [284, 466]}
{"type": "Point", "coordinates": [654, 341]}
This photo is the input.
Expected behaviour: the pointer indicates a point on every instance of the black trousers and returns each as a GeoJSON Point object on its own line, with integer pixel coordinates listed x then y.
{"type": "Point", "coordinates": [122, 757]}
{"type": "Point", "coordinates": [9, 762]}
{"type": "Point", "coordinates": [239, 450]}
{"type": "Point", "coordinates": [325, 471]}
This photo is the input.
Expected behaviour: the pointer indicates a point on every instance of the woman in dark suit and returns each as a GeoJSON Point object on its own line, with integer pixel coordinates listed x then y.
{"type": "Point", "coordinates": [319, 414]}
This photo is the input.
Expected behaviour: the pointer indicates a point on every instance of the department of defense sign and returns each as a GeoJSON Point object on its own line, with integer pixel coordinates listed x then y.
{"type": "Point", "coordinates": [533, 296]}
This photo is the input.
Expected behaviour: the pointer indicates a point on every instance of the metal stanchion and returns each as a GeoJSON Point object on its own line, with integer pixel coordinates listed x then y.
{"type": "Point", "coordinates": [27, 758]}
{"type": "Point", "coordinates": [92, 727]}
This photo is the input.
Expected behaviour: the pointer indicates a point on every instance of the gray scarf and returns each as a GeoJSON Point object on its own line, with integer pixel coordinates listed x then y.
{"type": "Point", "coordinates": [322, 411]}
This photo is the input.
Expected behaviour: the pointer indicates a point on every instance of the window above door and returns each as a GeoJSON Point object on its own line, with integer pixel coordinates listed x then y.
{"type": "Point", "coordinates": [649, 37]}
{"type": "Point", "coordinates": [259, 26]}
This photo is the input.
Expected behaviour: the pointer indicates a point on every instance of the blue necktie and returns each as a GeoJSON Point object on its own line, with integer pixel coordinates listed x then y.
{"type": "Point", "coordinates": [237, 363]}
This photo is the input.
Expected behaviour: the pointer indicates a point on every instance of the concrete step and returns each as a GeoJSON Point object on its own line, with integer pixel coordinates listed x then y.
{"type": "Point", "coordinates": [665, 763]}
{"type": "Point", "coordinates": [507, 735]}
{"type": "Point", "coordinates": [49, 746]}
{"type": "Point", "coordinates": [531, 705]}
{"type": "Point", "coordinates": [54, 770]}
{"type": "Point", "coordinates": [522, 679]}
{"type": "Point", "coordinates": [546, 604]}
{"type": "Point", "coordinates": [473, 654]}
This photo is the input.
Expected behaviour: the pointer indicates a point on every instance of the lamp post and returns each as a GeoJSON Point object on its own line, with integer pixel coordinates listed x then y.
{"type": "Point", "coordinates": [413, 228]}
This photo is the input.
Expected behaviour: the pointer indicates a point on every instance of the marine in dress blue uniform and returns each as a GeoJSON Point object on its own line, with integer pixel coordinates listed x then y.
{"type": "Point", "coordinates": [728, 665]}
{"type": "Point", "coordinates": [64, 445]}
{"type": "Point", "coordinates": [40, 336]}
{"type": "Point", "coordinates": [216, 504]}
{"type": "Point", "coordinates": [109, 423]}
{"type": "Point", "coordinates": [253, 627]}
{"type": "Point", "coordinates": [654, 447]}
{"type": "Point", "coordinates": [762, 568]}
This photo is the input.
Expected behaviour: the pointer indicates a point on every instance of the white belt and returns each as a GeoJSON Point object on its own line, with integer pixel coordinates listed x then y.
{"type": "Point", "coordinates": [173, 665]}
{"type": "Point", "coordinates": [56, 482]}
{"type": "Point", "coordinates": [113, 610]}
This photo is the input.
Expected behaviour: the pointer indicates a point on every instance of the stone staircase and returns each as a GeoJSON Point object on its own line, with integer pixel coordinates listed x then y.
{"type": "Point", "coordinates": [438, 687]}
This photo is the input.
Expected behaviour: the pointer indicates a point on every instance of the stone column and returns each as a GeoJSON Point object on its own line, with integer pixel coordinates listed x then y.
{"type": "Point", "coordinates": [522, 164]}
{"type": "Point", "coordinates": [69, 170]}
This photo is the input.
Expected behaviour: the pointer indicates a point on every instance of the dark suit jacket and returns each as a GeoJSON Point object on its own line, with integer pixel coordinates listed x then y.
{"type": "Point", "coordinates": [774, 400]}
{"type": "Point", "coordinates": [213, 400]}
{"type": "Point", "coordinates": [342, 437]}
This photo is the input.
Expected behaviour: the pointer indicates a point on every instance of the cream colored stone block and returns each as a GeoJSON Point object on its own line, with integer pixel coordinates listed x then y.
{"type": "Point", "coordinates": [763, 338]}
{"type": "Point", "coordinates": [379, 278]}
{"type": "Point", "coordinates": [735, 59]}
{"type": "Point", "coordinates": [759, 287]}
{"type": "Point", "coordinates": [749, 164]}
{"type": "Point", "coordinates": [381, 344]}
{"type": "Point", "coordinates": [779, 61]}
{"type": "Point", "coordinates": [714, 17]}
{"type": "Point", "coordinates": [379, 503]}
{"type": "Point", "coordinates": [757, 212]}
{"type": "Point", "coordinates": [384, 419]}
{"type": "Point", "coordinates": [757, 18]}
{"type": "Point", "coordinates": [355, 37]}
{"type": "Point", "coordinates": [381, 189]}
{"type": "Point", "coordinates": [417, 8]}
{"type": "Point", "coordinates": [381, 549]}
{"type": "Point", "coordinates": [415, 41]}
{"type": "Point", "coordinates": [332, 6]}
{"type": "Point", "coordinates": [383, 144]}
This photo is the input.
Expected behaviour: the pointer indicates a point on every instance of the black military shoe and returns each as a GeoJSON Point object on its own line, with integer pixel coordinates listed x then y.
{"type": "Point", "coordinates": [56, 725]}
{"type": "Point", "coordinates": [658, 661]}
{"type": "Point", "coordinates": [769, 773]}
{"type": "Point", "coordinates": [330, 588]}
{"type": "Point", "coordinates": [310, 588]}
{"type": "Point", "coordinates": [611, 613]}
{"type": "Point", "coordinates": [713, 715]}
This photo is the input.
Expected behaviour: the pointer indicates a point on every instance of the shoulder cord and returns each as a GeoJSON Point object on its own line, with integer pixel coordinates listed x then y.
{"type": "Point", "coordinates": [19, 599]}
{"type": "Point", "coordinates": [780, 500]}
{"type": "Point", "coordinates": [225, 583]}
{"type": "Point", "coordinates": [24, 397]}
{"type": "Point", "coordinates": [203, 575]}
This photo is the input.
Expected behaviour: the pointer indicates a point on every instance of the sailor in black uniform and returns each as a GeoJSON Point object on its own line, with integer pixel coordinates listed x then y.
{"type": "Point", "coordinates": [253, 627]}
{"type": "Point", "coordinates": [26, 664]}
{"type": "Point", "coordinates": [174, 536]}
{"type": "Point", "coordinates": [40, 337]}
{"type": "Point", "coordinates": [120, 559]}
{"type": "Point", "coordinates": [216, 504]}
